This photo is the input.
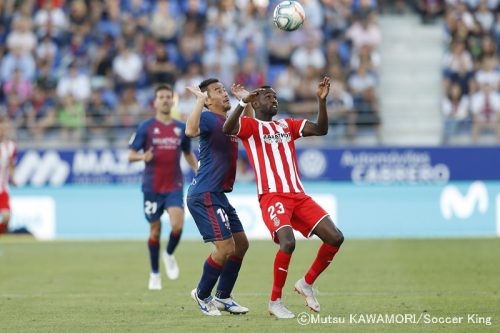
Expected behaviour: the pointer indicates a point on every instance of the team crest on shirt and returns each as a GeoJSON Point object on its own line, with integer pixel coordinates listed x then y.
{"type": "Point", "coordinates": [276, 221]}
{"type": "Point", "coordinates": [282, 123]}
{"type": "Point", "coordinates": [177, 131]}
{"type": "Point", "coordinates": [156, 130]}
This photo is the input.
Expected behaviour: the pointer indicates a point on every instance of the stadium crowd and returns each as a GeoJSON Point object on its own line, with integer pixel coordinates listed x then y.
{"type": "Point", "coordinates": [471, 72]}
{"type": "Point", "coordinates": [83, 71]}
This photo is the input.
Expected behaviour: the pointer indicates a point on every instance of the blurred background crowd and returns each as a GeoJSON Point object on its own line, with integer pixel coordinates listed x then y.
{"type": "Point", "coordinates": [78, 72]}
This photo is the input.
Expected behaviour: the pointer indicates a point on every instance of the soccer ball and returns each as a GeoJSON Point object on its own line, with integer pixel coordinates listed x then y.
{"type": "Point", "coordinates": [289, 15]}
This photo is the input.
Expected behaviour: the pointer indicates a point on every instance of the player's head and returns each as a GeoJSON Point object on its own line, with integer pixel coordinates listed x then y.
{"type": "Point", "coordinates": [218, 98]}
{"type": "Point", "coordinates": [164, 99]}
{"type": "Point", "coordinates": [267, 102]}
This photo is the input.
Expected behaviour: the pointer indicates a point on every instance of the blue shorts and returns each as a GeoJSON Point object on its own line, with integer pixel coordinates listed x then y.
{"type": "Point", "coordinates": [156, 203]}
{"type": "Point", "coordinates": [214, 216]}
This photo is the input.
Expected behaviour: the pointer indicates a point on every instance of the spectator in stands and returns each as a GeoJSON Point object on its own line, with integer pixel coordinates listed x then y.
{"type": "Point", "coordinates": [129, 111]}
{"type": "Point", "coordinates": [455, 110]}
{"type": "Point", "coordinates": [21, 37]}
{"type": "Point", "coordinates": [19, 86]}
{"type": "Point", "coordinates": [464, 78]}
{"type": "Point", "coordinates": [163, 23]}
{"type": "Point", "coordinates": [51, 20]}
{"type": "Point", "coordinates": [364, 31]}
{"type": "Point", "coordinates": [488, 74]}
{"type": "Point", "coordinates": [485, 111]}
{"type": "Point", "coordinates": [71, 118]}
{"type": "Point", "coordinates": [309, 55]}
{"type": "Point", "coordinates": [99, 117]}
{"type": "Point", "coordinates": [367, 56]}
{"type": "Point", "coordinates": [79, 18]}
{"type": "Point", "coordinates": [127, 67]}
{"type": "Point", "coordinates": [220, 61]}
{"type": "Point", "coordinates": [458, 56]}
{"type": "Point", "coordinates": [161, 68]}
{"type": "Point", "coordinates": [362, 85]}
{"type": "Point", "coordinates": [341, 112]}
{"type": "Point", "coordinates": [191, 45]}
{"type": "Point", "coordinates": [279, 53]}
{"type": "Point", "coordinates": [46, 51]}
{"type": "Point", "coordinates": [337, 18]}
{"type": "Point", "coordinates": [286, 85]}
{"type": "Point", "coordinates": [429, 10]}
{"type": "Point", "coordinates": [41, 115]}
{"type": "Point", "coordinates": [249, 76]}
{"type": "Point", "coordinates": [484, 17]}
{"type": "Point", "coordinates": [15, 110]}
{"type": "Point", "coordinates": [16, 59]}
{"type": "Point", "coordinates": [74, 83]}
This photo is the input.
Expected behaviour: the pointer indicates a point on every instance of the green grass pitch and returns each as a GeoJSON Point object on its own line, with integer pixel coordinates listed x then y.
{"type": "Point", "coordinates": [78, 286]}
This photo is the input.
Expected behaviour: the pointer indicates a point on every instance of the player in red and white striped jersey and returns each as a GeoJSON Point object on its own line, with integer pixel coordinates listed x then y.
{"type": "Point", "coordinates": [7, 164]}
{"type": "Point", "coordinates": [270, 146]}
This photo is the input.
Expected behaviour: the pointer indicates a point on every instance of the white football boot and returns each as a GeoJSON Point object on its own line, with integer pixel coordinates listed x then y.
{"type": "Point", "coordinates": [309, 293]}
{"type": "Point", "coordinates": [229, 305]}
{"type": "Point", "coordinates": [154, 281]}
{"type": "Point", "coordinates": [171, 266]}
{"type": "Point", "coordinates": [207, 305]}
{"type": "Point", "coordinates": [279, 310]}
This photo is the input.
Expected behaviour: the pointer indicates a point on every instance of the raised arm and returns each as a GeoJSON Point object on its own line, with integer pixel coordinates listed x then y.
{"type": "Point", "coordinates": [232, 126]}
{"type": "Point", "coordinates": [193, 121]}
{"type": "Point", "coordinates": [320, 127]}
{"type": "Point", "coordinates": [240, 92]}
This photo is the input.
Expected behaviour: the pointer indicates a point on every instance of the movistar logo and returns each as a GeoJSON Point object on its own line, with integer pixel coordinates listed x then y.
{"type": "Point", "coordinates": [40, 169]}
{"type": "Point", "coordinates": [453, 203]}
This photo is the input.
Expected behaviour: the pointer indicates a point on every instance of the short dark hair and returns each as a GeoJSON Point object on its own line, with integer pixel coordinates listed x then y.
{"type": "Point", "coordinates": [163, 86]}
{"type": "Point", "coordinates": [205, 83]}
{"type": "Point", "coordinates": [266, 87]}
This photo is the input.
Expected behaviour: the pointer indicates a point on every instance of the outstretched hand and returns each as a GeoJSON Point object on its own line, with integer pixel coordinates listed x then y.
{"type": "Point", "coordinates": [323, 88]}
{"type": "Point", "coordinates": [239, 91]}
{"type": "Point", "coordinates": [198, 93]}
{"type": "Point", "coordinates": [253, 96]}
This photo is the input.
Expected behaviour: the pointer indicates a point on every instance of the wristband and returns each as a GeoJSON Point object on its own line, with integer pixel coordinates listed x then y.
{"type": "Point", "coordinates": [243, 104]}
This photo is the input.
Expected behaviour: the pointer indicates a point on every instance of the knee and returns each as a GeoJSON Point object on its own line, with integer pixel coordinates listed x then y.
{"type": "Point", "coordinates": [287, 246]}
{"type": "Point", "coordinates": [337, 239]}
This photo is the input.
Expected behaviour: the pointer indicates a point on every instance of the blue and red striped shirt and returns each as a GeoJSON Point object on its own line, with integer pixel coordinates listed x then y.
{"type": "Point", "coordinates": [163, 173]}
{"type": "Point", "coordinates": [218, 156]}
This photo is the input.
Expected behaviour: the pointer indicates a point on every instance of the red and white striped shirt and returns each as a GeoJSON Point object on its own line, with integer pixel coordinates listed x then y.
{"type": "Point", "coordinates": [271, 149]}
{"type": "Point", "coordinates": [7, 154]}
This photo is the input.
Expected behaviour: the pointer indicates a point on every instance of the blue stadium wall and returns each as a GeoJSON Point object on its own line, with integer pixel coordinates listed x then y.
{"type": "Point", "coordinates": [382, 192]}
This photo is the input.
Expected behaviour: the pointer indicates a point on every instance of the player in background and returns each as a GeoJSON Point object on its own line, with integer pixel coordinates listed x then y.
{"type": "Point", "coordinates": [7, 167]}
{"type": "Point", "coordinates": [214, 216]}
{"type": "Point", "coordinates": [159, 142]}
{"type": "Point", "coordinates": [270, 146]}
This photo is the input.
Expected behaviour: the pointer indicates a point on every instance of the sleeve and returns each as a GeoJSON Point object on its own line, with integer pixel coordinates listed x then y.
{"type": "Point", "coordinates": [206, 122]}
{"type": "Point", "coordinates": [185, 140]}
{"type": "Point", "coordinates": [245, 127]}
{"type": "Point", "coordinates": [296, 127]}
{"type": "Point", "coordinates": [138, 140]}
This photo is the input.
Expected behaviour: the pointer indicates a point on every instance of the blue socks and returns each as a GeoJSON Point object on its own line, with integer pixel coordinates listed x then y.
{"type": "Point", "coordinates": [211, 272]}
{"type": "Point", "coordinates": [228, 277]}
{"type": "Point", "coordinates": [173, 241]}
{"type": "Point", "coordinates": [154, 254]}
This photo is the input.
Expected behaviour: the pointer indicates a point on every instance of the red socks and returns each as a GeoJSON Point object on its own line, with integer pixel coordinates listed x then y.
{"type": "Point", "coordinates": [281, 263]}
{"type": "Point", "coordinates": [323, 259]}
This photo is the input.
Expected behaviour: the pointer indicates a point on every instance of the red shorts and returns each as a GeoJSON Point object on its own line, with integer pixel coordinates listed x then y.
{"type": "Point", "coordinates": [4, 201]}
{"type": "Point", "coordinates": [297, 210]}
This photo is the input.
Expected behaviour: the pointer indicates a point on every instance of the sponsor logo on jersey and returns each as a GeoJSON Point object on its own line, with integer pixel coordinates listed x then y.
{"type": "Point", "coordinates": [177, 131]}
{"type": "Point", "coordinates": [277, 138]}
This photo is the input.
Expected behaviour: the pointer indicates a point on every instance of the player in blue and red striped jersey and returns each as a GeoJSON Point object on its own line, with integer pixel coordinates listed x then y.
{"type": "Point", "coordinates": [214, 216]}
{"type": "Point", "coordinates": [159, 142]}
